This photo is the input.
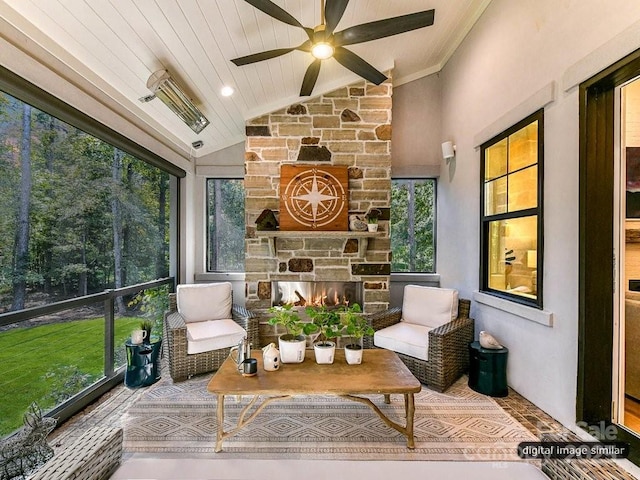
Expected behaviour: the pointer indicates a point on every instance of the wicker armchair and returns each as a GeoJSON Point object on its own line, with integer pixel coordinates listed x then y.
{"type": "Point", "coordinates": [448, 354]}
{"type": "Point", "coordinates": [183, 365]}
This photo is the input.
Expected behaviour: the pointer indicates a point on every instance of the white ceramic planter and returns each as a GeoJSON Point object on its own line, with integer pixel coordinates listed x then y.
{"type": "Point", "coordinates": [372, 227]}
{"type": "Point", "coordinates": [325, 352]}
{"type": "Point", "coordinates": [292, 350]}
{"type": "Point", "coordinates": [353, 354]}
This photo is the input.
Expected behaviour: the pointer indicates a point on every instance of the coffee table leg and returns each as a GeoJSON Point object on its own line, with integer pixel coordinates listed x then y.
{"type": "Point", "coordinates": [410, 410]}
{"type": "Point", "coordinates": [220, 418]}
{"type": "Point", "coordinates": [387, 398]}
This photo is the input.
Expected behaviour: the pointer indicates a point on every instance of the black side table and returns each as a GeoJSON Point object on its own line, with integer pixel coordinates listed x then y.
{"type": "Point", "coordinates": [488, 370]}
{"type": "Point", "coordinates": [143, 363]}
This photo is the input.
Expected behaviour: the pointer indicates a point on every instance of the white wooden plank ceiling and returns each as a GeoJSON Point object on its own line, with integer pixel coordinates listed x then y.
{"type": "Point", "coordinates": [117, 44]}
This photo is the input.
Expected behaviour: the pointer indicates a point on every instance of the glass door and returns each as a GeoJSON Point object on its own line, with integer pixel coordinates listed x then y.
{"type": "Point", "coordinates": [627, 324]}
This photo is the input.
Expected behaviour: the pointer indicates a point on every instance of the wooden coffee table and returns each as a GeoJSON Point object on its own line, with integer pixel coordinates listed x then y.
{"type": "Point", "coordinates": [381, 372]}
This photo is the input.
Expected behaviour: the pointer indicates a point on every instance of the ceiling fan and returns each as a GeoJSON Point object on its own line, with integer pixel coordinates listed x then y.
{"type": "Point", "coordinates": [323, 43]}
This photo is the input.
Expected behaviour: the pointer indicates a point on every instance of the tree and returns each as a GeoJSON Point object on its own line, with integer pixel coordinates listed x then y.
{"type": "Point", "coordinates": [412, 225]}
{"type": "Point", "coordinates": [96, 218]}
{"type": "Point", "coordinates": [21, 264]}
{"type": "Point", "coordinates": [117, 226]}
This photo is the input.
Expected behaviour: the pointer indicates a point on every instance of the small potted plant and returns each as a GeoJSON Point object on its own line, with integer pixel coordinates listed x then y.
{"type": "Point", "coordinates": [327, 324]}
{"type": "Point", "coordinates": [146, 326]}
{"type": "Point", "coordinates": [372, 219]}
{"type": "Point", "coordinates": [292, 344]}
{"type": "Point", "coordinates": [356, 326]}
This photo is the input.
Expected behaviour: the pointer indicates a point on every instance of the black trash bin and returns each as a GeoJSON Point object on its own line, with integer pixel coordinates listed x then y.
{"type": "Point", "coordinates": [143, 363]}
{"type": "Point", "coordinates": [488, 370]}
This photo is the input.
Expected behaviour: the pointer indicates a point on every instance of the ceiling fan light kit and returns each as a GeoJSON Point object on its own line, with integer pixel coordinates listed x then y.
{"type": "Point", "coordinates": [166, 89]}
{"type": "Point", "coordinates": [323, 43]}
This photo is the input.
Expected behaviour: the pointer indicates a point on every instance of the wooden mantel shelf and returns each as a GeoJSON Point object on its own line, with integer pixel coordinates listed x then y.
{"type": "Point", "coordinates": [363, 237]}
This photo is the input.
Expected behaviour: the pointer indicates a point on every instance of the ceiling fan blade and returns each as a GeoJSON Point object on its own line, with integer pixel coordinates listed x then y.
{"type": "Point", "coordinates": [258, 57]}
{"type": "Point", "coordinates": [357, 65]}
{"type": "Point", "coordinates": [333, 11]}
{"type": "Point", "coordinates": [273, 10]}
{"type": "Point", "coordinates": [384, 28]}
{"type": "Point", "coordinates": [310, 78]}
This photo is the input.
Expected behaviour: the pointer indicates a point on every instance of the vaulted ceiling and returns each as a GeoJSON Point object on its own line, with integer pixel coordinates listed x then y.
{"type": "Point", "coordinates": [117, 44]}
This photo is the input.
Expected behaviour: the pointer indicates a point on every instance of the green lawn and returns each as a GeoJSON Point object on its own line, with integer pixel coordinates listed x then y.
{"type": "Point", "coordinates": [49, 363]}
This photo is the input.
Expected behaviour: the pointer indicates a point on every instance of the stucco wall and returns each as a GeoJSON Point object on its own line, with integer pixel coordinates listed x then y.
{"type": "Point", "coordinates": [416, 140]}
{"type": "Point", "coordinates": [515, 50]}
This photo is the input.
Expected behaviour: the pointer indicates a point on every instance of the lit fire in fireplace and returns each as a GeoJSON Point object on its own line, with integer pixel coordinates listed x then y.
{"type": "Point", "coordinates": [302, 294]}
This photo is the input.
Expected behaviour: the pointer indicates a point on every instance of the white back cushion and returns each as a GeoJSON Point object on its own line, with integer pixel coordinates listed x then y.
{"type": "Point", "coordinates": [429, 306]}
{"type": "Point", "coordinates": [198, 302]}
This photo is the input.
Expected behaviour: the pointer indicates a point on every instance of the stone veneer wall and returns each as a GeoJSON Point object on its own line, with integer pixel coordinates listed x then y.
{"type": "Point", "coordinates": [350, 126]}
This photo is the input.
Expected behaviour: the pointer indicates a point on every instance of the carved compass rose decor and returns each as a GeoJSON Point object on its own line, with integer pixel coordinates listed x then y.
{"type": "Point", "coordinates": [314, 198]}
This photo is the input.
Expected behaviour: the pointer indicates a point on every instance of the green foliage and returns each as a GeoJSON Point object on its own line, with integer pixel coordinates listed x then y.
{"type": "Point", "coordinates": [373, 215]}
{"type": "Point", "coordinates": [71, 247]}
{"type": "Point", "coordinates": [412, 225]}
{"type": "Point", "coordinates": [153, 302]}
{"type": "Point", "coordinates": [226, 225]}
{"type": "Point", "coordinates": [66, 381]}
{"type": "Point", "coordinates": [286, 316]}
{"type": "Point", "coordinates": [355, 323]}
{"type": "Point", "coordinates": [325, 321]}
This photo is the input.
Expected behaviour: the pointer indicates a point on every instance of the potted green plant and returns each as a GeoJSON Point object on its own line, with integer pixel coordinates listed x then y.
{"type": "Point", "coordinates": [147, 326]}
{"type": "Point", "coordinates": [356, 326]}
{"type": "Point", "coordinates": [292, 344]}
{"type": "Point", "coordinates": [372, 219]}
{"type": "Point", "coordinates": [326, 323]}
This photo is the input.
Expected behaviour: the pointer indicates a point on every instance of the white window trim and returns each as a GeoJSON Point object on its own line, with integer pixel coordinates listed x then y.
{"type": "Point", "coordinates": [543, 317]}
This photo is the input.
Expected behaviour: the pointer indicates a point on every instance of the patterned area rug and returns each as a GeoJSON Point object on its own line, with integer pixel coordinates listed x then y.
{"type": "Point", "coordinates": [459, 424]}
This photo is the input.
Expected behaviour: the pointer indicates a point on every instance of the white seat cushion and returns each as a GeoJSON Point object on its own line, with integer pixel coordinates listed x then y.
{"type": "Point", "coordinates": [429, 306]}
{"type": "Point", "coordinates": [403, 337]}
{"type": "Point", "coordinates": [213, 335]}
{"type": "Point", "coordinates": [198, 302]}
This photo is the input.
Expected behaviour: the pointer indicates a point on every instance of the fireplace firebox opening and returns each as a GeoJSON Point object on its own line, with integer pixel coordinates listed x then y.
{"type": "Point", "coordinates": [302, 294]}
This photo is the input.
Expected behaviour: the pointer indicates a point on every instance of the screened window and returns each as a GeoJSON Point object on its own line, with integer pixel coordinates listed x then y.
{"type": "Point", "coordinates": [511, 213]}
{"type": "Point", "coordinates": [413, 211]}
{"type": "Point", "coordinates": [225, 225]}
{"type": "Point", "coordinates": [78, 214]}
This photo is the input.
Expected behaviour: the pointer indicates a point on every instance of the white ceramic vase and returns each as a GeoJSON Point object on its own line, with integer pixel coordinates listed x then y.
{"type": "Point", "coordinates": [353, 354]}
{"type": "Point", "coordinates": [292, 350]}
{"type": "Point", "coordinates": [325, 352]}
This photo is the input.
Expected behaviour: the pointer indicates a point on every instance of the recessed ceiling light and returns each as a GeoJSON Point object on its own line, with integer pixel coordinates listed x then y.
{"type": "Point", "coordinates": [226, 91]}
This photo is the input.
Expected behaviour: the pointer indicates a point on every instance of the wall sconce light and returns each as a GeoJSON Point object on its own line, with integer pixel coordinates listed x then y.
{"type": "Point", "coordinates": [166, 89]}
{"type": "Point", "coordinates": [448, 150]}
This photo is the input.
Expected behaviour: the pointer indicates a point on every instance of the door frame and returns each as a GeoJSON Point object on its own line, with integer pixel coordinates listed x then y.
{"type": "Point", "coordinates": [594, 402]}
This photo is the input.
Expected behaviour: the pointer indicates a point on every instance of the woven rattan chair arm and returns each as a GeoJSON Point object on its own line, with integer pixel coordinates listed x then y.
{"type": "Point", "coordinates": [249, 321]}
{"type": "Point", "coordinates": [94, 455]}
{"type": "Point", "coordinates": [464, 306]}
{"type": "Point", "coordinates": [175, 321]}
{"type": "Point", "coordinates": [173, 305]}
{"type": "Point", "coordinates": [451, 327]}
{"type": "Point", "coordinates": [448, 343]}
{"type": "Point", "coordinates": [385, 318]}
{"type": "Point", "coordinates": [238, 311]}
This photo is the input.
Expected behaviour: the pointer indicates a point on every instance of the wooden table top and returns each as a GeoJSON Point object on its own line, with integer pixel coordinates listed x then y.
{"type": "Point", "coordinates": [381, 371]}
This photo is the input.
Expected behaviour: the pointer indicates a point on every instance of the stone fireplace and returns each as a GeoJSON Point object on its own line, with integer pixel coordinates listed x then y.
{"type": "Point", "coordinates": [350, 127]}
